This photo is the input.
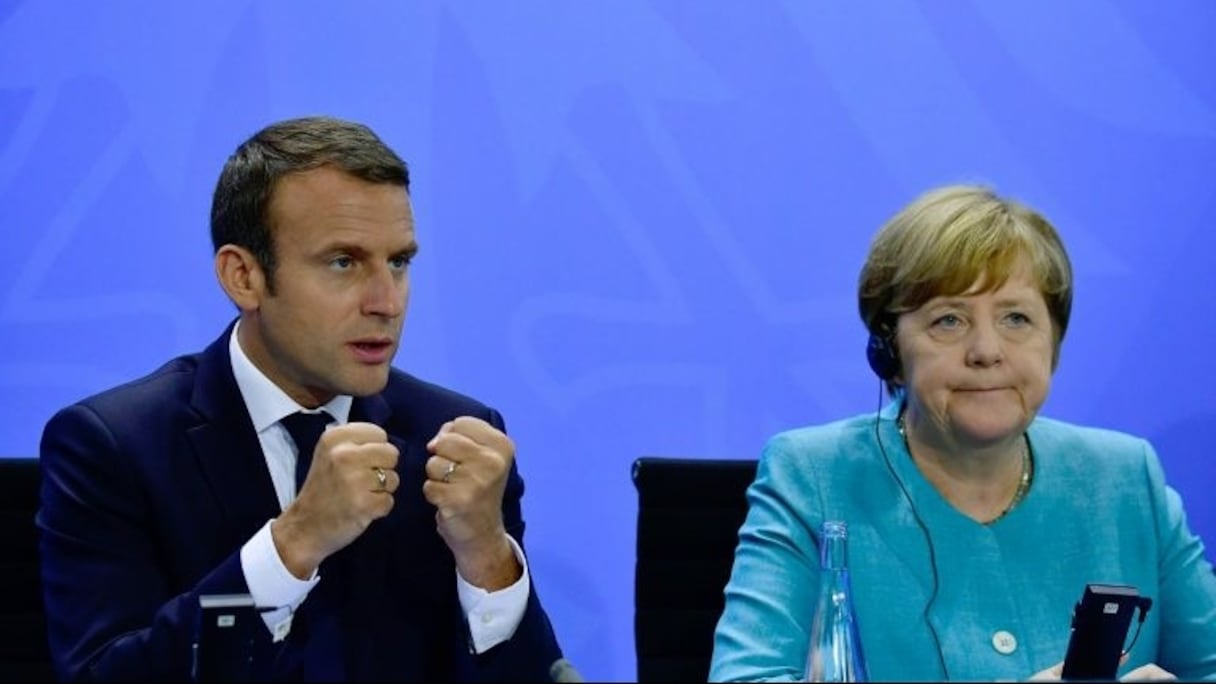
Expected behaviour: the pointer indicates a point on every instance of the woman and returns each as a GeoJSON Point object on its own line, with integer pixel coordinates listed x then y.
{"type": "Point", "coordinates": [974, 524]}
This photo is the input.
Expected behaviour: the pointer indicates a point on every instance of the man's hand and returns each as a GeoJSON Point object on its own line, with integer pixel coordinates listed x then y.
{"type": "Point", "coordinates": [466, 476]}
{"type": "Point", "coordinates": [340, 498]}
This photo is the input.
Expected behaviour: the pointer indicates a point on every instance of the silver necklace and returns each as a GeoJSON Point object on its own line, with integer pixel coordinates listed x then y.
{"type": "Point", "coordinates": [1023, 482]}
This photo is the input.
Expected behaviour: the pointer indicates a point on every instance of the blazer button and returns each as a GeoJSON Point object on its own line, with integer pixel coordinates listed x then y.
{"type": "Point", "coordinates": [1004, 642]}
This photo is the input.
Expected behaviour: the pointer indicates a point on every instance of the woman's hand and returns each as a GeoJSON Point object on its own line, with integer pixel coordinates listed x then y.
{"type": "Point", "coordinates": [1148, 673]}
{"type": "Point", "coordinates": [1145, 673]}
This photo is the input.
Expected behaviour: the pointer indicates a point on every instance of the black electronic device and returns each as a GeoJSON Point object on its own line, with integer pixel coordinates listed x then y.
{"type": "Point", "coordinates": [882, 357]}
{"type": "Point", "coordinates": [223, 644]}
{"type": "Point", "coordinates": [1100, 622]}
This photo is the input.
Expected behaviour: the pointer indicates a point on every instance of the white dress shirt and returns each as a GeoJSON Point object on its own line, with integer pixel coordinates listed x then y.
{"type": "Point", "coordinates": [492, 616]}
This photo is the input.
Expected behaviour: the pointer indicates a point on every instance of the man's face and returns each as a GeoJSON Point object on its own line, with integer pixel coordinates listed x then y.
{"type": "Point", "coordinates": [341, 286]}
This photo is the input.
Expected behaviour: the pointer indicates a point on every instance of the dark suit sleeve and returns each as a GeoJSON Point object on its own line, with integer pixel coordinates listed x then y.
{"type": "Point", "coordinates": [529, 653]}
{"type": "Point", "coordinates": [110, 611]}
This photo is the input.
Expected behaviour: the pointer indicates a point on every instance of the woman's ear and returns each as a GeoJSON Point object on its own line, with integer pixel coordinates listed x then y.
{"type": "Point", "coordinates": [241, 276]}
{"type": "Point", "coordinates": [882, 353]}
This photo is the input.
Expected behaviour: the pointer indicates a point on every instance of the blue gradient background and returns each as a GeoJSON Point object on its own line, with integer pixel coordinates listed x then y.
{"type": "Point", "coordinates": [641, 222]}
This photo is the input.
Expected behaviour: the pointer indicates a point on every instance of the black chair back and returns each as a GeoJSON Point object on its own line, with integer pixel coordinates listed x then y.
{"type": "Point", "coordinates": [24, 655]}
{"type": "Point", "coordinates": [689, 514]}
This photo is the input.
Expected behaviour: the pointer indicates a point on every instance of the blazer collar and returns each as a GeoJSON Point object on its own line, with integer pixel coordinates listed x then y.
{"type": "Point", "coordinates": [226, 445]}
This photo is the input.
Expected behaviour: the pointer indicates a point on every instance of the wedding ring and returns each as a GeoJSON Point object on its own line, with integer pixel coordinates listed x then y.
{"type": "Point", "coordinates": [382, 479]}
{"type": "Point", "coordinates": [448, 472]}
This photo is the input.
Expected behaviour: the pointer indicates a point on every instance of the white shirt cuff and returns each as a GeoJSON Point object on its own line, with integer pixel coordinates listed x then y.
{"type": "Point", "coordinates": [494, 616]}
{"type": "Point", "coordinates": [271, 584]}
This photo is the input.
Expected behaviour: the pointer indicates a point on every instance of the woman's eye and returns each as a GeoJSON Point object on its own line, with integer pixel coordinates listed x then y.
{"type": "Point", "coordinates": [948, 321]}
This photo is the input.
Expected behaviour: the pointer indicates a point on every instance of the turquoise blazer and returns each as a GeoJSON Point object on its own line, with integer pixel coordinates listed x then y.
{"type": "Point", "coordinates": [940, 596]}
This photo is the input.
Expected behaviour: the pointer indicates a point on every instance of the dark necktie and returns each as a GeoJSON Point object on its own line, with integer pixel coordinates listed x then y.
{"type": "Point", "coordinates": [319, 635]}
{"type": "Point", "coordinates": [305, 429]}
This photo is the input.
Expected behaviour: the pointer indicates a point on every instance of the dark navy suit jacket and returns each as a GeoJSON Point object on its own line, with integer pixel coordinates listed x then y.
{"type": "Point", "coordinates": [151, 488]}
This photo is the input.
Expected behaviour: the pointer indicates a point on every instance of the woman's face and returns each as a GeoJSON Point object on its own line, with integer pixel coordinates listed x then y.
{"type": "Point", "coordinates": [977, 366]}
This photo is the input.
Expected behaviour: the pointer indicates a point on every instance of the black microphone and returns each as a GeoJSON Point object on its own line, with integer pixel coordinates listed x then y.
{"type": "Point", "coordinates": [562, 671]}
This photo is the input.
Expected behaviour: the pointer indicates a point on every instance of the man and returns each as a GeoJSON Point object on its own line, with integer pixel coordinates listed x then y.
{"type": "Point", "coordinates": [397, 556]}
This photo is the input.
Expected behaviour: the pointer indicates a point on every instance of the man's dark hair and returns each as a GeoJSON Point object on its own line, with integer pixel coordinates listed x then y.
{"type": "Point", "coordinates": [241, 203]}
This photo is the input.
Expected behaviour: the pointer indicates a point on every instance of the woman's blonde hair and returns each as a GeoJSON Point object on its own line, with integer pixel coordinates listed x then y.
{"type": "Point", "coordinates": [949, 238]}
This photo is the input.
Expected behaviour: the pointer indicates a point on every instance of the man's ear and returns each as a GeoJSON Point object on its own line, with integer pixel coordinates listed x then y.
{"type": "Point", "coordinates": [241, 276]}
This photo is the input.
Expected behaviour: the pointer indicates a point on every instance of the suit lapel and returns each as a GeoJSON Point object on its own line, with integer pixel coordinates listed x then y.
{"type": "Point", "coordinates": [411, 449]}
{"type": "Point", "coordinates": [226, 447]}
{"type": "Point", "coordinates": [372, 409]}
{"type": "Point", "coordinates": [387, 555]}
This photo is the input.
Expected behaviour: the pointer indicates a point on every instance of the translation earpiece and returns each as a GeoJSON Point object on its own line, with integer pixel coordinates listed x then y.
{"type": "Point", "coordinates": [880, 352]}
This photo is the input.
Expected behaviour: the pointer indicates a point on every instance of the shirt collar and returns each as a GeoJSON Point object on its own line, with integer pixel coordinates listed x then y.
{"type": "Point", "coordinates": [265, 401]}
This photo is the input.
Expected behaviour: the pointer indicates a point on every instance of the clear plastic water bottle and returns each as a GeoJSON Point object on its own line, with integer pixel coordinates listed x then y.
{"type": "Point", "coordinates": [835, 654]}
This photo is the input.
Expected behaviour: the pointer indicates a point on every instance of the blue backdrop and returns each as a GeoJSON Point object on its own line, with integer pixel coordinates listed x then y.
{"type": "Point", "coordinates": [641, 222]}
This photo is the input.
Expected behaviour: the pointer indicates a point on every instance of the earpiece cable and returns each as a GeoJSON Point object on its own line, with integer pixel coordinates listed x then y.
{"type": "Point", "coordinates": [923, 528]}
{"type": "Point", "coordinates": [1143, 604]}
